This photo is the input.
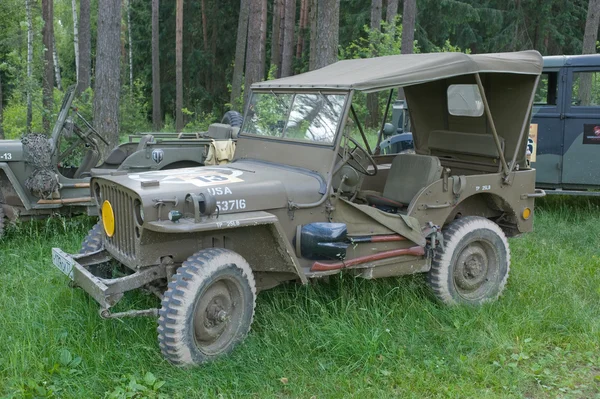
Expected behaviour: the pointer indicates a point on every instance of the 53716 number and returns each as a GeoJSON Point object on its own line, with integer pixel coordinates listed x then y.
{"type": "Point", "coordinates": [230, 205]}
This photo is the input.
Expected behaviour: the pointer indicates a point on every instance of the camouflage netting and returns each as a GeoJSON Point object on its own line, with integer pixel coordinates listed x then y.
{"type": "Point", "coordinates": [43, 182]}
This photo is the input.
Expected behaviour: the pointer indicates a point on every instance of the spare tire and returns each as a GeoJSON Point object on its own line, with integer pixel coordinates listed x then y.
{"type": "Point", "coordinates": [233, 118]}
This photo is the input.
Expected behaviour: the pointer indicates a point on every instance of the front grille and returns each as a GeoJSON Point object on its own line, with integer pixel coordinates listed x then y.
{"type": "Point", "coordinates": [123, 240]}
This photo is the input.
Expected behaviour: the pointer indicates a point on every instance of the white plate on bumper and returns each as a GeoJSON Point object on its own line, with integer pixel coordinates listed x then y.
{"type": "Point", "coordinates": [63, 262]}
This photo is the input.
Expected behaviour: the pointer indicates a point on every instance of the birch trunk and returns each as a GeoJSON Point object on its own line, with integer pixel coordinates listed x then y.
{"type": "Point", "coordinates": [56, 64]}
{"type": "Point", "coordinates": [373, 98]}
{"type": "Point", "coordinates": [29, 64]}
{"type": "Point", "coordinates": [48, 81]}
{"type": "Point", "coordinates": [1, 111]}
{"type": "Point", "coordinates": [75, 36]}
{"type": "Point", "coordinates": [275, 36]}
{"type": "Point", "coordinates": [179, 66]}
{"type": "Point", "coordinates": [156, 111]}
{"type": "Point", "coordinates": [130, 47]}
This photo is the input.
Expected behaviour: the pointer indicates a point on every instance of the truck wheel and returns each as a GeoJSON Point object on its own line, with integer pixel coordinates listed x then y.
{"type": "Point", "coordinates": [207, 309]}
{"type": "Point", "coordinates": [473, 267]}
{"type": "Point", "coordinates": [233, 118]}
{"type": "Point", "coordinates": [93, 241]}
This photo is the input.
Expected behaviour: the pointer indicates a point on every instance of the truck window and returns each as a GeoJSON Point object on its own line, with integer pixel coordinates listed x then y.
{"type": "Point", "coordinates": [586, 89]}
{"type": "Point", "coordinates": [464, 100]}
{"type": "Point", "coordinates": [547, 89]}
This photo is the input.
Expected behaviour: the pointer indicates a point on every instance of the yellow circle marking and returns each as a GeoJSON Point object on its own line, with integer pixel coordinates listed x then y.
{"type": "Point", "coordinates": [526, 213]}
{"type": "Point", "coordinates": [108, 218]}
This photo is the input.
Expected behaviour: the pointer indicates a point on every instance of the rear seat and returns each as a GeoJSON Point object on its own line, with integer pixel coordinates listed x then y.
{"type": "Point", "coordinates": [465, 152]}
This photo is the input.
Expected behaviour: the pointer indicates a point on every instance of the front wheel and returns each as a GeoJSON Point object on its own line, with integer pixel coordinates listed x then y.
{"type": "Point", "coordinates": [474, 265]}
{"type": "Point", "coordinates": [207, 309]}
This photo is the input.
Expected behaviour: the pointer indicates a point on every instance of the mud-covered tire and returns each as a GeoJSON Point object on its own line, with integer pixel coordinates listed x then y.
{"type": "Point", "coordinates": [208, 307]}
{"type": "Point", "coordinates": [233, 118]}
{"type": "Point", "coordinates": [473, 268]}
{"type": "Point", "coordinates": [93, 240]}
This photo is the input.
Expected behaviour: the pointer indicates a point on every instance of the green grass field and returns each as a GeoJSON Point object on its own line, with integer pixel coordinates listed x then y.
{"type": "Point", "coordinates": [345, 338]}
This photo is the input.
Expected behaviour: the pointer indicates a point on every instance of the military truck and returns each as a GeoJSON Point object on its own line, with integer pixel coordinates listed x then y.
{"type": "Point", "coordinates": [41, 176]}
{"type": "Point", "coordinates": [304, 199]}
{"type": "Point", "coordinates": [564, 138]}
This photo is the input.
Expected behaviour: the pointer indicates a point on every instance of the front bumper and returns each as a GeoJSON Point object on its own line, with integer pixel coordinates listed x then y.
{"type": "Point", "coordinates": [106, 291]}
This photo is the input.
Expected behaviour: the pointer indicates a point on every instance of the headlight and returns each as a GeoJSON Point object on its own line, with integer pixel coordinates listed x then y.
{"type": "Point", "coordinates": [138, 212]}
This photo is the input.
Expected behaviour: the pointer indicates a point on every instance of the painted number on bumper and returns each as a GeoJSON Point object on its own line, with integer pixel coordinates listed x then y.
{"type": "Point", "coordinates": [63, 262]}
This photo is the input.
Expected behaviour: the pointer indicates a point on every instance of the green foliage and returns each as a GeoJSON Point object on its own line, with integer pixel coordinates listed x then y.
{"type": "Point", "coordinates": [15, 113]}
{"type": "Point", "coordinates": [138, 388]}
{"type": "Point", "coordinates": [134, 109]}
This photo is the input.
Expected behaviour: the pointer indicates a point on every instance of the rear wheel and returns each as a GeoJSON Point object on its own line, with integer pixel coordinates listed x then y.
{"type": "Point", "coordinates": [207, 309]}
{"type": "Point", "coordinates": [474, 265]}
{"type": "Point", "coordinates": [233, 118]}
{"type": "Point", "coordinates": [93, 241]}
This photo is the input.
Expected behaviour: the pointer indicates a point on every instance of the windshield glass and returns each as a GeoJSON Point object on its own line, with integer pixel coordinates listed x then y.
{"type": "Point", "coordinates": [312, 117]}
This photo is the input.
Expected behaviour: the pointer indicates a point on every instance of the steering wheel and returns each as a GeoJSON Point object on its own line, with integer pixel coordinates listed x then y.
{"type": "Point", "coordinates": [356, 164]}
{"type": "Point", "coordinates": [90, 131]}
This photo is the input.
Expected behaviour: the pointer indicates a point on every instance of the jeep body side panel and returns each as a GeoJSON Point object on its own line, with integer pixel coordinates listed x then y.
{"type": "Point", "coordinates": [11, 151]}
{"type": "Point", "coordinates": [440, 202]}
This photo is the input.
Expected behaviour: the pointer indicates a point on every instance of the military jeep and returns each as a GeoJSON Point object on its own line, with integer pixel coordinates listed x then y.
{"type": "Point", "coordinates": [305, 197]}
{"type": "Point", "coordinates": [41, 176]}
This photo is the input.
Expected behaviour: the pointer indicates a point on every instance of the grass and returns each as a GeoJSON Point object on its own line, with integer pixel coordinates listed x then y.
{"type": "Point", "coordinates": [345, 338]}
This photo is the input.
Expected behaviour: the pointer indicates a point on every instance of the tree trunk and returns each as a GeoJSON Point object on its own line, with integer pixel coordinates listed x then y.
{"type": "Point", "coordinates": [390, 14]}
{"type": "Point", "coordinates": [130, 47]}
{"type": "Point", "coordinates": [204, 25]}
{"type": "Point", "coordinates": [29, 64]}
{"type": "Point", "coordinates": [56, 64]}
{"type": "Point", "coordinates": [301, 28]}
{"type": "Point", "coordinates": [373, 98]}
{"type": "Point", "coordinates": [48, 81]}
{"type": "Point", "coordinates": [240, 55]}
{"type": "Point", "coordinates": [589, 47]}
{"type": "Point", "coordinates": [275, 36]}
{"type": "Point", "coordinates": [312, 56]}
{"type": "Point", "coordinates": [179, 66]}
{"type": "Point", "coordinates": [1, 111]}
{"type": "Point", "coordinates": [156, 111]}
{"type": "Point", "coordinates": [409, 14]}
{"type": "Point", "coordinates": [263, 39]}
{"type": "Point", "coordinates": [328, 34]}
{"type": "Point", "coordinates": [84, 71]}
{"type": "Point", "coordinates": [591, 27]}
{"type": "Point", "coordinates": [253, 58]}
{"type": "Point", "coordinates": [288, 38]}
{"type": "Point", "coordinates": [75, 36]}
{"type": "Point", "coordinates": [108, 64]}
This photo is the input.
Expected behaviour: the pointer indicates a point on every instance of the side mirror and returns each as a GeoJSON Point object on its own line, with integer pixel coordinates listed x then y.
{"type": "Point", "coordinates": [388, 130]}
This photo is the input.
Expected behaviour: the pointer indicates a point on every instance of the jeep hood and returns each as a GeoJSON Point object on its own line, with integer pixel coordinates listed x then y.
{"type": "Point", "coordinates": [245, 185]}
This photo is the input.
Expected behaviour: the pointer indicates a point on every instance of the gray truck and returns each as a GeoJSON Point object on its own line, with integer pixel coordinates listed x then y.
{"type": "Point", "coordinates": [306, 198]}
{"type": "Point", "coordinates": [42, 176]}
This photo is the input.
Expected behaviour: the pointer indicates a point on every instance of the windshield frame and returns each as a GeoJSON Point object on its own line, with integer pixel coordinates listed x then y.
{"type": "Point", "coordinates": [339, 127]}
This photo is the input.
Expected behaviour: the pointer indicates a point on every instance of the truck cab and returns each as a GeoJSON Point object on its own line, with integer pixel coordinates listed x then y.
{"type": "Point", "coordinates": [564, 138]}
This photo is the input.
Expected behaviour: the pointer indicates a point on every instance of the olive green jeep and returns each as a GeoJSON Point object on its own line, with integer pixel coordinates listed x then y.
{"type": "Point", "coordinates": [42, 176]}
{"type": "Point", "coordinates": [307, 197]}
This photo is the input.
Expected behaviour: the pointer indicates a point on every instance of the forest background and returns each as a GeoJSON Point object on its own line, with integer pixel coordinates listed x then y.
{"type": "Point", "coordinates": [179, 65]}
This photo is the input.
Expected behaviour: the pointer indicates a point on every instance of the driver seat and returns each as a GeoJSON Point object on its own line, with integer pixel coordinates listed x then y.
{"type": "Point", "coordinates": [408, 174]}
{"type": "Point", "coordinates": [90, 160]}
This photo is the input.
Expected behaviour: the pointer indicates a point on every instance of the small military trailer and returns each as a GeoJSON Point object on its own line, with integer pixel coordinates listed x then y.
{"type": "Point", "coordinates": [564, 138]}
{"type": "Point", "coordinates": [305, 197]}
{"type": "Point", "coordinates": [42, 176]}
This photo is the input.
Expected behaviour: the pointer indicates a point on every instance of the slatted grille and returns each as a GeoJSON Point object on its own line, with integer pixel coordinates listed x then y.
{"type": "Point", "coordinates": [123, 241]}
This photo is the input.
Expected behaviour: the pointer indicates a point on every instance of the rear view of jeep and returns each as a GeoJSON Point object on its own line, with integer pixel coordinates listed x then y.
{"type": "Point", "coordinates": [309, 195]}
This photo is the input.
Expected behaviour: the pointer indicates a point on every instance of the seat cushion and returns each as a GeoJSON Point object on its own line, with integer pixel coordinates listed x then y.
{"type": "Point", "coordinates": [382, 202]}
{"type": "Point", "coordinates": [408, 174]}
